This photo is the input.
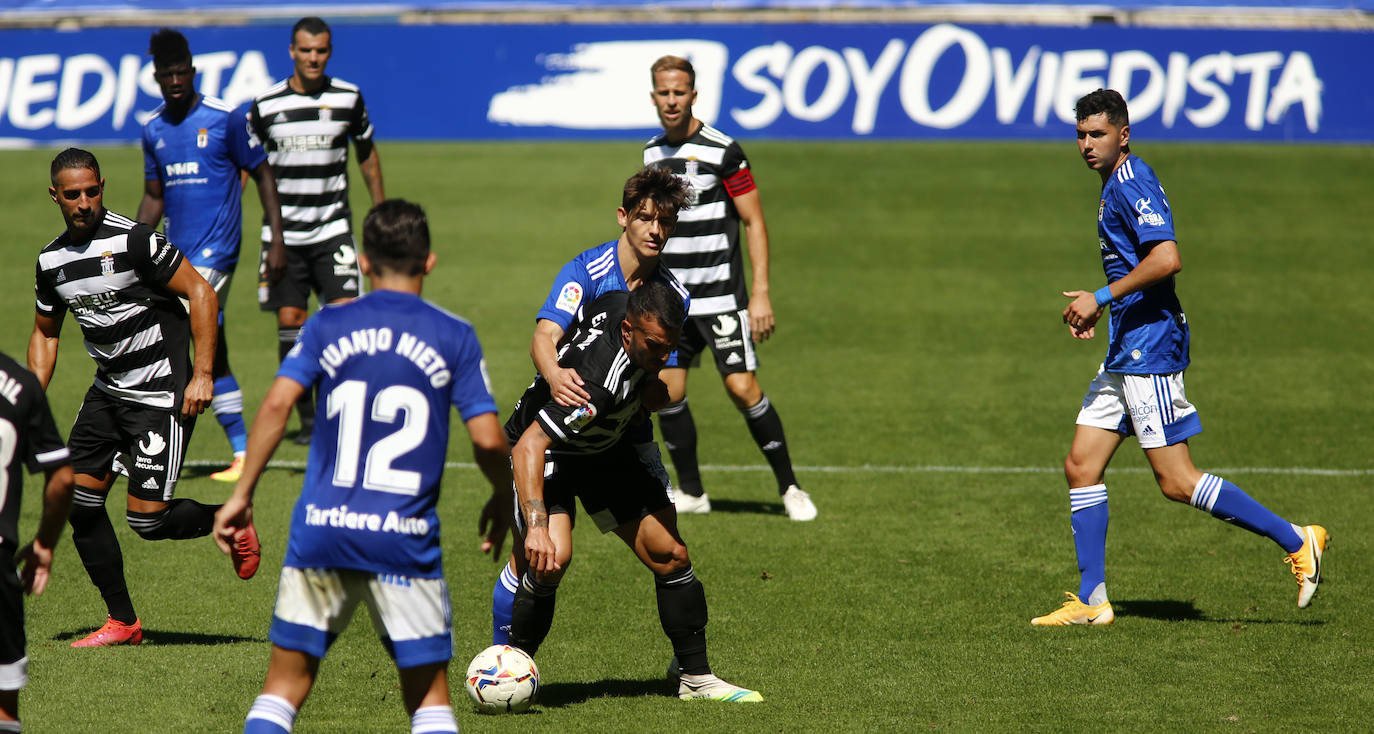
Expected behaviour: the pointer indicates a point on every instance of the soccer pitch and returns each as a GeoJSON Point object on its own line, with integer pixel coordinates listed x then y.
{"type": "Point", "coordinates": [928, 390]}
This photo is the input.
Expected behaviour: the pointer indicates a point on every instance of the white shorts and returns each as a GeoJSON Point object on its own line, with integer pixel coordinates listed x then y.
{"type": "Point", "coordinates": [1151, 407]}
{"type": "Point", "coordinates": [412, 616]}
{"type": "Point", "coordinates": [219, 281]}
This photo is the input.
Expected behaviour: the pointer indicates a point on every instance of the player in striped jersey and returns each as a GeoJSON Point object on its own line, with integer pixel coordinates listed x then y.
{"type": "Point", "coordinates": [193, 149]}
{"type": "Point", "coordinates": [567, 452]}
{"type": "Point", "coordinates": [1139, 386]}
{"type": "Point", "coordinates": [28, 436]}
{"type": "Point", "coordinates": [704, 254]}
{"type": "Point", "coordinates": [121, 281]}
{"type": "Point", "coordinates": [305, 123]}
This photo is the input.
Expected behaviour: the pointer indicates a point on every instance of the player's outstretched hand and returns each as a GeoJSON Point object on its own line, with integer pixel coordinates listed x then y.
{"type": "Point", "coordinates": [199, 391]}
{"type": "Point", "coordinates": [565, 386]}
{"type": "Point", "coordinates": [37, 563]}
{"type": "Point", "coordinates": [539, 549]}
{"type": "Point", "coordinates": [1081, 314]}
{"type": "Point", "coordinates": [760, 317]}
{"type": "Point", "coordinates": [494, 525]}
{"type": "Point", "coordinates": [234, 515]}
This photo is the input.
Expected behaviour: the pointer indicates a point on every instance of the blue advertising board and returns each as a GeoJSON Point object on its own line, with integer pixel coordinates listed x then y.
{"type": "Point", "coordinates": [791, 81]}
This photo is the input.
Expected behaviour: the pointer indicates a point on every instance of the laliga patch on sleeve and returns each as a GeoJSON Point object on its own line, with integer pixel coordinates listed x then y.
{"type": "Point", "coordinates": [569, 298]}
{"type": "Point", "coordinates": [580, 418]}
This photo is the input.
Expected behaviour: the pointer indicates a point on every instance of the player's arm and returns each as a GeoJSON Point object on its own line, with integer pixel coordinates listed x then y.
{"type": "Point", "coordinates": [370, 163]}
{"type": "Point", "coordinates": [1163, 261]}
{"type": "Point", "coordinates": [527, 462]}
{"type": "Point", "coordinates": [565, 385]}
{"type": "Point", "coordinates": [36, 557]}
{"type": "Point", "coordinates": [271, 208]}
{"type": "Point", "coordinates": [189, 284]}
{"type": "Point", "coordinates": [152, 206]}
{"type": "Point", "coordinates": [491, 451]}
{"type": "Point", "coordinates": [42, 354]}
{"type": "Point", "coordinates": [750, 208]}
{"type": "Point", "coordinates": [268, 426]}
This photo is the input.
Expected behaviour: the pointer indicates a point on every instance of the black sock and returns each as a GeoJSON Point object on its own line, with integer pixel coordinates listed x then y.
{"type": "Point", "coordinates": [179, 520]}
{"type": "Point", "coordinates": [305, 406]}
{"type": "Point", "coordinates": [680, 438]}
{"type": "Point", "coordinates": [766, 428]}
{"type": "Point", "coordinates": [682, 612]}
{"type": "Point", "coordinates": [94, 537]}
{"type": "Point", "coordinates": [532, 613]}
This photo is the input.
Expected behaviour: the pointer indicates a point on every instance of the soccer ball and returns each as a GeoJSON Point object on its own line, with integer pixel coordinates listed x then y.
{"type": "Point", "coordinates": [502, 680]}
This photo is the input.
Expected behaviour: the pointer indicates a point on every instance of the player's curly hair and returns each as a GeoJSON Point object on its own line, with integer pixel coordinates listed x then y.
{"type": "Point", "coordinates": [659, 185]}
{"type": "Point", "coordinates": [74, 158]}
{"type": "Point", "coordinates": [168, 48]}
{"type": "Point", "coordinates": [657, 299]}
{"type": "Point", "coordinates": [1109, 101]}
{"type": "Point", "coordinates": [396, 237]}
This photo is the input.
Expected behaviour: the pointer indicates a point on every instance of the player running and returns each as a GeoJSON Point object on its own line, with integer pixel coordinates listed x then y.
{"type": "Point", "coordinates": [1139, 387]}
{"type": "Point", "coordinates": [193, 149]}
{"type": "Point", "coordinates": [365, 529]}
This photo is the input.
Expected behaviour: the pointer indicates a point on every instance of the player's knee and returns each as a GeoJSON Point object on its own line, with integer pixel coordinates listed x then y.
{"type": "Point", "coordinates": [1080, 473]}
{"type": "Point", "coordinates": [670, 559]}
{"type": "Point", "coordinates": [150, 525]}
{"type": "Point", "coordinates": [744, 389]}
{"type": "Point", "coordinates": [1175, 489]}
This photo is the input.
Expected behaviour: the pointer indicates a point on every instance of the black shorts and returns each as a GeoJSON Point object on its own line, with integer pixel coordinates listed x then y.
{"type": "Point", "coordinates": [728, 337]}
{"type": "Point", "coordinates": [618, 486]}
{"type": "Point", "coordinates": [329, 269]}
{"type": "Point", "coordinates": [153, 443]}
{"type": "Point", "coordinates": [13, 643]}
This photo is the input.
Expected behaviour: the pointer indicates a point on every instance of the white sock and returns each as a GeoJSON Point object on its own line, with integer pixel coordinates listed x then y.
{"type": "Point", "coordinates": [270, 712]}
{"type": "Point", "coordinates": [434, 720]}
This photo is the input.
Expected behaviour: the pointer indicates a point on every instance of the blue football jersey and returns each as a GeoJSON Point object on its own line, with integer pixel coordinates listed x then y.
{"type": "Point", "coordinates": [1149, 333]}
{"type": "Point", "coordinates": [387, 366]}
{"type": "Point", "coordinates": [589, 276]}
{"type": "Point", "coordinates": [198, 162]}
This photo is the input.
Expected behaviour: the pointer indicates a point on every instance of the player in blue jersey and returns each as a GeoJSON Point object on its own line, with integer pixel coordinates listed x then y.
{"type": "Point", "coordinates": [387, 366]}
{"type": "Point", "coordinates": [1139, 387]}
{"type": "Point", "coordinates": [193, 149]}
{"type": "Point", "coordinates": [649, 203]}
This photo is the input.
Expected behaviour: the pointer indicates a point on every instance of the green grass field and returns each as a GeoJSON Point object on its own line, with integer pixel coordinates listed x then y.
{"type": "Point", "coordinates": [928, 391]}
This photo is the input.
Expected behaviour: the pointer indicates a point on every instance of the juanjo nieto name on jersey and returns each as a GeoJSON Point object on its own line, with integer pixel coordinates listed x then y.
{"type": "Point", "coordinates": [373, 340]}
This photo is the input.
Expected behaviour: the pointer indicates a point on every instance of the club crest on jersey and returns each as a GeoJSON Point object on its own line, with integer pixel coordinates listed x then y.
{"type": "Point", "coordinates": [1147, 215]}
{"type": "Point", "coordinates": [202, 138]}
{"type": "Point", "coordinates": [569, 298]}
{"type": "Point", "coordinates": [1101, 204]}
{"type": "Point", "coordinates": [107, 263]}
{"type": "Point", "coordinates": [692, 167]}
{"type": "Point", "coordinates": [580, 418]}
{"type": "Point", "coordinates": [324, 114]}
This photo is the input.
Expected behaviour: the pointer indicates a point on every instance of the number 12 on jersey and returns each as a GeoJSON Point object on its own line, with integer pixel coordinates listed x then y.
{"type": "Point", "coordinates": [348, 403]}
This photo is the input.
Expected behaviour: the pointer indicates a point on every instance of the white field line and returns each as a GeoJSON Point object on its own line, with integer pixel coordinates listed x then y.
{"type": "Point", "coordinates": [927, 469]}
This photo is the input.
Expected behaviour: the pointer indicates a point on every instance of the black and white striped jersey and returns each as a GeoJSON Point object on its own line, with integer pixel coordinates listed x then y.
{"type": "Point", "coordinates": [136, 330]}
{"type": "Point", "coordinates": [306, 138]}
{"type": "Point", "coordinates": [28, 436]}
{"type": "Point", "coordinates": [704, 251]}
{"type": "Point", "coordinates": [594, 348]}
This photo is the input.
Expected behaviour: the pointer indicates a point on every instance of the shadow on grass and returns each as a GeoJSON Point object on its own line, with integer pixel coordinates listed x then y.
{"type": "Point", "coordinates": [745, 506]}
{"type": "Point", "coordinates": [1184, 611]}
{"type": "Point", "coordinates": [558, 695]}
{"type": "Point", "coordinates": [165, 637]}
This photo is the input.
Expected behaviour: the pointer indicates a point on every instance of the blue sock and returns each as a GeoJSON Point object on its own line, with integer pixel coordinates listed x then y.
{"type": "Point", "coordinates": [502, 602]}
{"type": "Point", "coordinates": [270, 715]}
{"type": "Point", "coordinates": [1088, 518]}
{"type": "Point", "coordinates": [1230, 503]}
{"type": "Point", "coordinates": [227, 405]}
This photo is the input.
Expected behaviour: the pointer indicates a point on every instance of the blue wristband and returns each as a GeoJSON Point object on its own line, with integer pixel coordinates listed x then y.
{"type": "Point", "coordinates": [1103, 295]}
